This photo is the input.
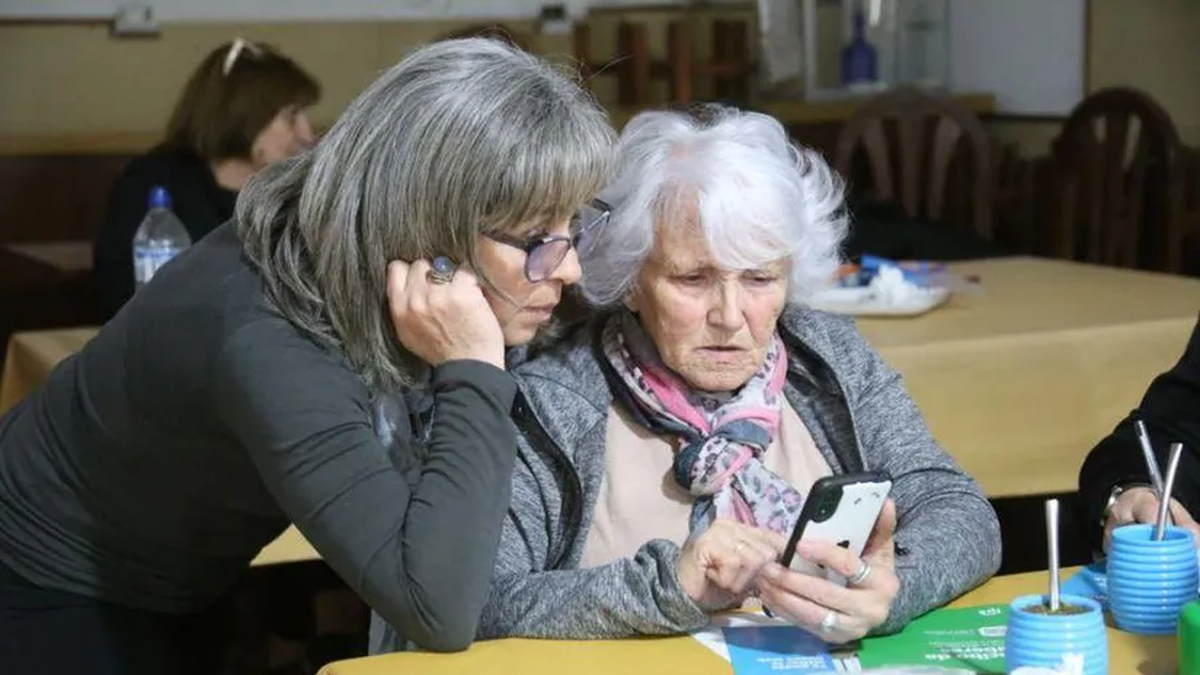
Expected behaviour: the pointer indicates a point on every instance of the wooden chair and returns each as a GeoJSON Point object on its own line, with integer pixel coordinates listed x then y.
{"type": "Point", "coordinates": [726, 74]}
{"type": "Point", "coordinates": [1014, 222]}
{"type": "Point", "coordinates": [958, 141]}
{"type": "Point", "coordinates": [1183, 251]}
{"type": "Point", "coordinates": [1119, 170]}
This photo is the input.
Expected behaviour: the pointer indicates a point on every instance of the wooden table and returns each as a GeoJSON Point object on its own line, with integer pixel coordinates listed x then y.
{"type": "Point", "coordinates": [1128, 653]}
{"type": "Point", "coordinates": [68, 257]}
{"type": "Point", "coordinates": [1019, 383]}
{"type": "Point", "coordinates": [30, 358]}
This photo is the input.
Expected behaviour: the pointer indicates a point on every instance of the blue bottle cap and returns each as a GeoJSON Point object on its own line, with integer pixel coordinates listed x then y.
{"type": "Point", "coordinates": [160, 198]}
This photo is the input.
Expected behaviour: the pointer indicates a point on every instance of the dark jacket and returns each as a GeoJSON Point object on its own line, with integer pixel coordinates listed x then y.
{"type": "Point", "coordinates": [197, 200]}
{"type": "Point", "coordinates": [860, 417]}
{"type": "Point", "coordinates": [1171, 411]}
{"type": "Point", "coordinates": [150, 468]}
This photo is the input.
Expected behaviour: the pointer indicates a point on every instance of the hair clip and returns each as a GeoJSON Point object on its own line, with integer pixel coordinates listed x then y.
{"type": "Point", "coordinates": [235, 50]}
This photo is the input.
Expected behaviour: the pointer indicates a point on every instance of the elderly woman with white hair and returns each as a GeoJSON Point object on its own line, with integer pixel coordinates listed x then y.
{"type": "Point", "coordinates": [666, 445]}
{"type": "Point", "coordinates": [333, 358]}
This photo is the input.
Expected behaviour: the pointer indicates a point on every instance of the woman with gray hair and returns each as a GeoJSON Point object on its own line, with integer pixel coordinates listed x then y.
{"type": "Point", "coordinates": [667, 445]}
{"type": "Point", "coordinates": [334, 358]}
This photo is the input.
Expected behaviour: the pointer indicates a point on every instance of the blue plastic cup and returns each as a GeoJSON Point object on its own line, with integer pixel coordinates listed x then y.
{"type": "Point", "coordinates": [1150, 581]}
{"type": "Point", "coordinates": [1056, 640]}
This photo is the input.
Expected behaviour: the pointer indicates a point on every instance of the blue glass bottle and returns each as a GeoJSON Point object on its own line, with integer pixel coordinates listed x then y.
{"type": "Point", "coordinates": [859, 58]}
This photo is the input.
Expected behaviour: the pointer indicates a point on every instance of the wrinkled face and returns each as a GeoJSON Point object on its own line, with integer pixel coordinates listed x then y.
{"type": "Point", "coordinates": [528, 305]}
{"type": "Point", "coordinates": [712, 326]}
{"type": "Point", "coordinates": [287, 134]}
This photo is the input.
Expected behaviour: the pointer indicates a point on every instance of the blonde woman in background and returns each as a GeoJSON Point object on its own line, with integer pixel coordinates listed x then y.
{"type": "Point", "coordinates": [244, 107]}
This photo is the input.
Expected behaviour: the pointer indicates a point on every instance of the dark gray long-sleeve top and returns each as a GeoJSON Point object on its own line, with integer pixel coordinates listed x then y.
{"type": "Point", "coordinates": [153, 466]}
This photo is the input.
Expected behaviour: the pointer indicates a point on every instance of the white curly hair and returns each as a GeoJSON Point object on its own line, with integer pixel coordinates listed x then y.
{"type": "Point", "coordinates": [759, 198]}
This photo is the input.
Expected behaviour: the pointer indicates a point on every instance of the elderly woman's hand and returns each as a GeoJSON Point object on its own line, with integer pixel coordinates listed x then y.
{"type": "Point", "coordinates": [718, 568]}
{"type": "Point", "coordinates": [835, 613]}
{"type": "Point", "coordinates": [442, 319]}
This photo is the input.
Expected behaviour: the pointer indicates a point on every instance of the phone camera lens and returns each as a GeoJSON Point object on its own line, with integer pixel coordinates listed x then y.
{"type": "Point", "coordinates": [827, 506]}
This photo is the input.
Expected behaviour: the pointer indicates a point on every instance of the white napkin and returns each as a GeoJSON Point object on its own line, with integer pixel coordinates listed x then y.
{"type": "Point", "coordinates": [890, 287]}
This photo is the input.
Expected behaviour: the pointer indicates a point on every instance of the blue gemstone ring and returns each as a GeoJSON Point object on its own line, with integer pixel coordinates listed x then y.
{"type": "Point", "coordinates": [441, 270]}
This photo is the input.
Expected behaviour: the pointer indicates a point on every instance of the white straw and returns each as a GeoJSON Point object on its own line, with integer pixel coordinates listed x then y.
{"type": "Point", "coordinates": [1164, 503]}
{"type": "Point", "coordinates": [1052, 541]}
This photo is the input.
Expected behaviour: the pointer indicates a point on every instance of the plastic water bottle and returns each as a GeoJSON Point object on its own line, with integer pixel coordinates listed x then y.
{"type": "Point", "coordinates": [160, 237]}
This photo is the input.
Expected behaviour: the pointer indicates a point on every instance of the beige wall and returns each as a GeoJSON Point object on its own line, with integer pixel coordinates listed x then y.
{"type": "Point", "coordinates": [1154, 45]}
{"type": "Point", "coordinates": [67, 79]}
{"type": "Point", "coordinates": [78, 80]}
{"type": "Point", "coordinates": [1148, 44]}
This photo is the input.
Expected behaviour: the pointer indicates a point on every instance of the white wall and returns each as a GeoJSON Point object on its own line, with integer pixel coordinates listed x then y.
{"type": "Point", "coordinates": [1029, 53]}
{"type": "Point", "coordinates": [303, 10]}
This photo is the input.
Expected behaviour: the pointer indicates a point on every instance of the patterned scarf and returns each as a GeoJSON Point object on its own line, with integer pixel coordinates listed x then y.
{"type": "Point", "coordinates": [721, 437]}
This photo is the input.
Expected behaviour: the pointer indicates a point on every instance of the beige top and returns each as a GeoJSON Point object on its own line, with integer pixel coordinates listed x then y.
{"type": "Point", "coordinates": [640, 501]}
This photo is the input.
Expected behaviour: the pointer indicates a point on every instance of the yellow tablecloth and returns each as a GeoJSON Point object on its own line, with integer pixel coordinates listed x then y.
{"type": "Point", "coordinates": [30, 357]}
{"type": "Point", "coordinates": [1019, 383]}
{"type": "Point", "coordinates": [1127, 653]}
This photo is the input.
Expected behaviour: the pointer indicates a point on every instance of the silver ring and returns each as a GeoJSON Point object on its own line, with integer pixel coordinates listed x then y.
{"type": "Point", "coordinates": [861, 575]}
{"type": "Point", "coordinates": [441, 270]}
{"type": "Point", "coordinates": [830, 622]}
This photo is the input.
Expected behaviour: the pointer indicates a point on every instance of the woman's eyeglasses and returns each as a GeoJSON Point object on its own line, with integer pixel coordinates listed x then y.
{"type": "Point", "coordinates": [543, 255]}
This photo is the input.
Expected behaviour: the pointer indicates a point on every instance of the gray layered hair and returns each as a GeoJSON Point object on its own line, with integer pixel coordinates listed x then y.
{"type": "Point", "coordinates": [759, 198]}
{"type": "Point", "coordinates": [460, 138]}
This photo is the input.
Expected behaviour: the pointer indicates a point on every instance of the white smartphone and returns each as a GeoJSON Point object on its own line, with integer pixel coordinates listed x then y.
{"type": "Point", "coordinates": [840, 509]}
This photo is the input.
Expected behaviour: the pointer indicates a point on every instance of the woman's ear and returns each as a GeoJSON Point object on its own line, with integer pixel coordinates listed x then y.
{"type": "Point", "coordinates": [631, 300]}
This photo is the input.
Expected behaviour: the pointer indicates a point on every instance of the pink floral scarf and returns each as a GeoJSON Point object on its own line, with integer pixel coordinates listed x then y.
{"type": "Point", "coordinates": [721, 437]}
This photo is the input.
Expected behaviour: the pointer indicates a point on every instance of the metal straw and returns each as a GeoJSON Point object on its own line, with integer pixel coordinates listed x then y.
{"type": "Point", "coordinates": [1052, 540]}
{"type": "Point", "coordinates": [1164, 503]}
{"type": "Point", "coordinates": [1148, 453]}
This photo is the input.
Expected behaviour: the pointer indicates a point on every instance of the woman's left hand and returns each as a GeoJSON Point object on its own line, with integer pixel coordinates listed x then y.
{"type": "Point", "coordinates": [835, 613]}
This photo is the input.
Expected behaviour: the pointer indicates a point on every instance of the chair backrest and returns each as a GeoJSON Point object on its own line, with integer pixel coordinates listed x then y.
{"type": "Point", "coordinates": [1183, 236]}
{"type": "Point", "coordinates": [724, 73]}
{"type": "Point", "coordinates": [1115, 160]}
{"type": "Point", "coordinates": [923, 160]}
